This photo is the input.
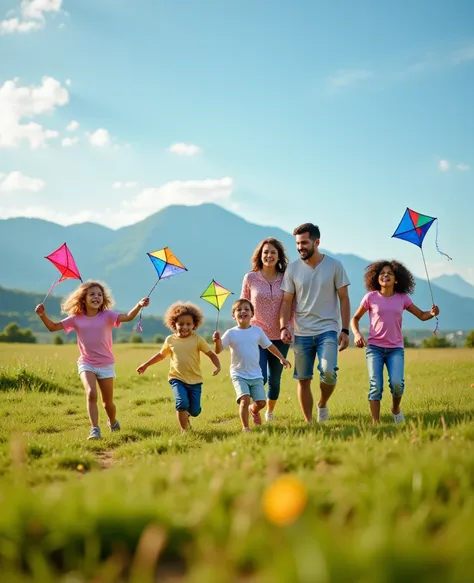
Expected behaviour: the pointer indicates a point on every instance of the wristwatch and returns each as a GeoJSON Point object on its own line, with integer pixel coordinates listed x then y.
{"type": "Point", "coordinates": [345, 330]}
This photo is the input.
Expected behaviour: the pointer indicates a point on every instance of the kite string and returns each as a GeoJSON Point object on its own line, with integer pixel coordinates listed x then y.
{"type": "Point", "coordinates": [55, 282]}
{"type": "Point", "coordinates": [436, 243]}
{"type": "Point", "coordinates": [431, 291]}
{"type": "Point", "coordinates": [139, 324]}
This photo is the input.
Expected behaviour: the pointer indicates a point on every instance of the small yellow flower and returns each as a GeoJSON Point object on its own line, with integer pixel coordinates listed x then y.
{"type": "Point", "coordinates": [80, 468]}
{"type": "Point", "coordinates": [285, 500]}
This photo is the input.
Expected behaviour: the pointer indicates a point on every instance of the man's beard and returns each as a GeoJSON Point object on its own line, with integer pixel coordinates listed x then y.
{"type": "Point", "coordinates": [308, 253]}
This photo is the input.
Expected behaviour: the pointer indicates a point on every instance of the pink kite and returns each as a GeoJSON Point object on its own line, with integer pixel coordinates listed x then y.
{"type": "Point", "coordinates": [63, 260]}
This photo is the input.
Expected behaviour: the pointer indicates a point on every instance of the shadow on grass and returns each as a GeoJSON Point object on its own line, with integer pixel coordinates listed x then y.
{"type": "Point", "coordinates": [26, 381]}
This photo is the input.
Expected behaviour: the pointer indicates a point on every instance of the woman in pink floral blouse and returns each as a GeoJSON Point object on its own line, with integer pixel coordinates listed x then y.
{"type": "Point", "coordinates": [262, 287]}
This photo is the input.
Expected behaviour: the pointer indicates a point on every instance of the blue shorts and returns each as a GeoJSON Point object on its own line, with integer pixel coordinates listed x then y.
{"type": "Point", "coordinates": [325, 346]}
{"type": "Point", "coordinates": [187, 397]}
{"type": "Point", "coordinates": [101, 372]}
{"type": "Point", "coordinates": [252, 387]}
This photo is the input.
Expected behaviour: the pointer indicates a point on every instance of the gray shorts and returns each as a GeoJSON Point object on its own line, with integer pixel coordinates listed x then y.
{"type": "Point", "coordinates": [252, 387]}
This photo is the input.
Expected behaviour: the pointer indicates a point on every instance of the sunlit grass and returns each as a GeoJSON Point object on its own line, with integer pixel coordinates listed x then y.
{"type": "Point", "coordinates": [383, 504]}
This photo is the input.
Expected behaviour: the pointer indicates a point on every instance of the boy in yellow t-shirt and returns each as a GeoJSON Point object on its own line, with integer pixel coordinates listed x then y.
{"type": "Point", "coordinates": [184, 348]}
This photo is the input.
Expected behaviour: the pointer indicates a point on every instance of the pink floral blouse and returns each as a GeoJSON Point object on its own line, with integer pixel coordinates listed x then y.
{"type": "Point", "coordinates": [266, 298]}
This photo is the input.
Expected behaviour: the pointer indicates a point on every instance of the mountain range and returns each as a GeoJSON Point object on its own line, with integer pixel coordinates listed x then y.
{"type": "Point", "coordinates": [211, 242]}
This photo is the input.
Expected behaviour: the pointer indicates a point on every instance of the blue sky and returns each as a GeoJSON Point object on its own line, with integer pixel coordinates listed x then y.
{"type": "Point", "coordinates": [342, 113]}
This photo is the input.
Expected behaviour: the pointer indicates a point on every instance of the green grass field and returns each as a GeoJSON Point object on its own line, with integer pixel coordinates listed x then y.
{"type": "Point", "coordinates": [384, 504]}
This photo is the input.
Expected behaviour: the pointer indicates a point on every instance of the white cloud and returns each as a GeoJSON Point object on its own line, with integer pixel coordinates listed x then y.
{"type": "Point", "coordinates": [348, 77]}
{"type": "Point", "coordinates": [100, 138]}
{"type": "Point", "coordinates": [182, 149]}
{"type": "Point", "coordinates": [185, 192]}
{"type": "Point", "coordinates": [147, 202]}
{"type": "Point", "coordinates": [444, 165]}
{"type": "Point", "coordinates": [72, 126]}
{"type": "Point", "coordinates": [32, 16]}
{"type": "Point", "coordinates": [12, 25]}
{"type": "Point", "coordinates": [462, 167]}
{"type": "Point", "coordinates": [35, 9]}
{"type": "Point", "coordinates": [129, 184]}
{"type": "Point", "coordinates": [17, 103]}
{"type": "Point", "coordinates": [68, 142]}
{"type": "Point", "coordinates": [16, 181]}
{"type": "Point", "coordinates": [430, 62]}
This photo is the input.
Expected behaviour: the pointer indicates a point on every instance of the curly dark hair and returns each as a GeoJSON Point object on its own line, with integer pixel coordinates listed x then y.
{"type": "Point", "coordinates": [182, 309]}
{"type": "Point", "coordinates": [282, 262]}
{"type": "Point", "coordinates": [405, 282]}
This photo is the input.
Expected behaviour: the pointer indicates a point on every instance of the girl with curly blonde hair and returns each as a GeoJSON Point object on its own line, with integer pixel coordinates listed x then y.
{"type": "Point", "coordinates": [89, 313]}
{"type": "Point", "coordinates": [184, 347]}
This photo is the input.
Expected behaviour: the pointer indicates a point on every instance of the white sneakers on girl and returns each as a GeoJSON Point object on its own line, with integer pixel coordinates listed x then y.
{"type": "Point", "coordinates": [323, 414]}
{"type": "Point", "coordinates": [398, 417]}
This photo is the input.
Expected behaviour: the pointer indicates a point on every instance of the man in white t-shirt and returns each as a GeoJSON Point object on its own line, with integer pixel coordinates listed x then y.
{"type": "Point", "coordinates": [320, 285]}
{"type": "Point", "coordinates": [245, 372]}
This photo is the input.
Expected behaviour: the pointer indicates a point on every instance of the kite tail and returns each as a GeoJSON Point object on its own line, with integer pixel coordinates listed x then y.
{"type": "Point", "coordinates": [435, 331]}
{"type": "Point", "coordinates": [55, 283]}
{"type": "Point", "coordinates": [436, 243]}
{"type": "Point", "coordinates": [139, 324]}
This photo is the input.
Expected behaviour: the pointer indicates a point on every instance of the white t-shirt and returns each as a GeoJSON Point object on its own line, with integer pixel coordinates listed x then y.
{"type": "Point", "coordinates": [245, 356]}
{"type": "Point", "coordinates": [317, 302]}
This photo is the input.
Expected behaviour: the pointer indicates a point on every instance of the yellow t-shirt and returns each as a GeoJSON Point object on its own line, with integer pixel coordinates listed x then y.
{"type": "Point", "coordinates": [185, 358]}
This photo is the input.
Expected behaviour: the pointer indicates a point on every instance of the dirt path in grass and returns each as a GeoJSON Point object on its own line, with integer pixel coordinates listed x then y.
{"type": "Point", "coordinates": [105, 459]}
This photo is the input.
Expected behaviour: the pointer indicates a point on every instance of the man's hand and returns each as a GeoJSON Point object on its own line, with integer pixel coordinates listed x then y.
{"type": "Point", "coordinates": [343, 341]}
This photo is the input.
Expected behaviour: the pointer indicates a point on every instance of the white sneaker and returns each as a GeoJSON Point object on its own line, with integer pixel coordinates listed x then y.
{"type": "Point", "coordinates": [323, 414]}
{"type": "Point", "coordinates": [398, 417]}
{"type": "Point", "coordinates": [269, 417]}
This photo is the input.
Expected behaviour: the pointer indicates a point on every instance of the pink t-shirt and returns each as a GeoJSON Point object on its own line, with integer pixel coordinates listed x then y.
{"type": "Point", "coordinates": [266, 299]}
{"type": "Point", "coordinates": [385, 315]}
{"type": "Point", "coordinates": [94, 336]}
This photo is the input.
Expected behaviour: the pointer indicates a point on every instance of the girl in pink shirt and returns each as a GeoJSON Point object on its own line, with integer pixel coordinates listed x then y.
{"type": "Point", "coordinates": [388, 284]}
{"type": "Point", "coordinates": [262, 287]}
{"type": "Point", "coordinates": [89, 314]}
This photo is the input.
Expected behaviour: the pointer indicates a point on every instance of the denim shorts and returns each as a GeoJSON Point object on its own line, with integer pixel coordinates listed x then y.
{"type": "Point", "coordinates": [101, 372]}
{"type": "Point", "coordinates": [252, 387]}
{"type": "Point", "coordinates": [187, 397]}
{"type": "Point", "coordinates": [325, 347]}
{"type": "Point", "coordinates": [394, 360]}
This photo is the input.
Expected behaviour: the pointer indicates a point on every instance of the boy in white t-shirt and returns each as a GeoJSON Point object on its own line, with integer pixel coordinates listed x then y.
{"type": "Point", "coordinates": [245, 372]}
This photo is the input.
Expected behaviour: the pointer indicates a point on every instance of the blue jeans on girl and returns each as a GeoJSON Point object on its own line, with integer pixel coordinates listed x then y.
{"type": "Point", "coordinates": [394, 360]}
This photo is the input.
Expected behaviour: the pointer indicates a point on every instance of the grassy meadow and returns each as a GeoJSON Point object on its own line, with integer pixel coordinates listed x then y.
{"type": "Point", "coordinates": [372, 505]}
